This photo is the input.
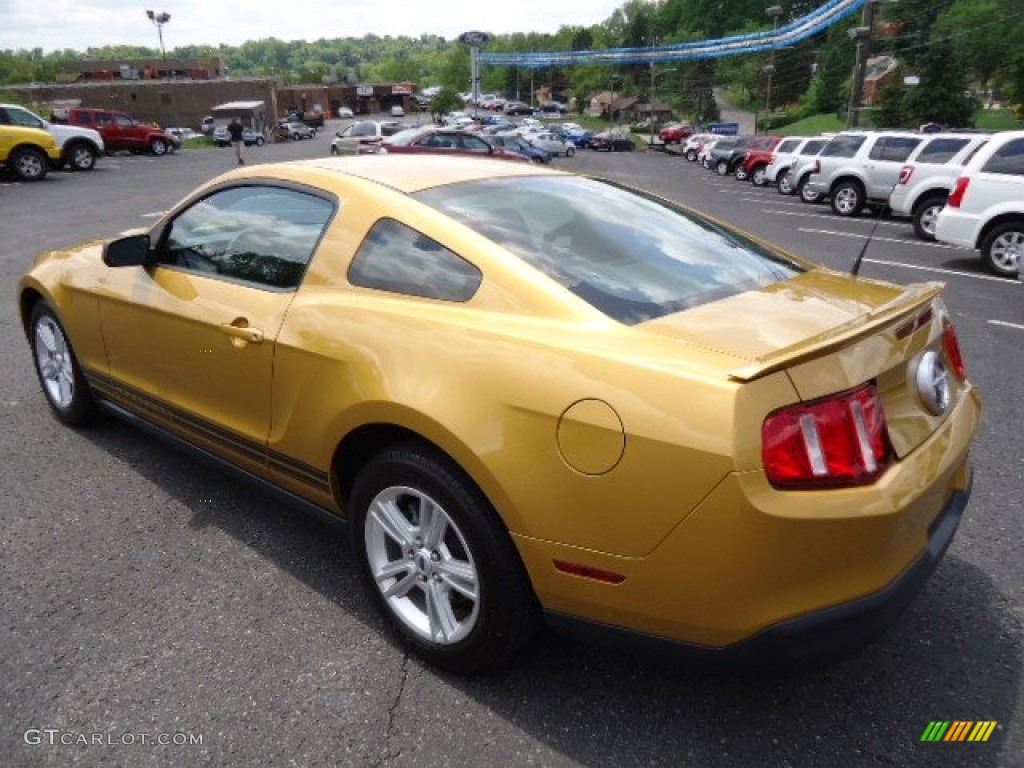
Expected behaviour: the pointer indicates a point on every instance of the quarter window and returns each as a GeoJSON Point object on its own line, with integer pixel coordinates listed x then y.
{"type": "Point", "coordinates": [940, 151]}
{"type": "Point", "coordinates": [893, 149]}
{"type": "Point", "coordinates": [1009, 159]}
{"type": "Point", "coordinates": [843, 146]}
{"type": "Point", "coordinates": [264, 235]}
{"type": "Point", "coordinates": [396, 258]}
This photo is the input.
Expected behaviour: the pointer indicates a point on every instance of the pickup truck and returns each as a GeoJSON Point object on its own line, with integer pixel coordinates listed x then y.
{"type": "Point", "coordinates": [119, 131]}
{"type": "Point", "coordinates": [79, 147]}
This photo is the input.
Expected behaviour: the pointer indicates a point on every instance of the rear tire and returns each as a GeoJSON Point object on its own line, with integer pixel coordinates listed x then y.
{"type": "Point", "coordinates": [847, 198]}
{"type": "Point", "coordinates": [758, 177]}
{"type": "Point", "coordinates": [1001, 248]}
{"type": "Point", "coordinates": [438, 560]}
{"type": "Point", "coordinates": [925, 216]}
{"type": "Point", "coordinates": [81, 157]}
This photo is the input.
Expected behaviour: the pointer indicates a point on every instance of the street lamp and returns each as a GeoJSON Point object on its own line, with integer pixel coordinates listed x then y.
{"type": "Point", "coordinates": [773, 12]}
{"type": "Point", "coordinates": [159, 19]}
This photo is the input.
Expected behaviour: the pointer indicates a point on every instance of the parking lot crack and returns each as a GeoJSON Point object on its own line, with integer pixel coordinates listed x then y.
{"type": "Point", "coordinates": [390, 754]}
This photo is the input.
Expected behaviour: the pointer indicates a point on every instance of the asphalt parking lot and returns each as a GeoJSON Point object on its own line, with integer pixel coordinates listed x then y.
{"type": "Point", "coordinates": [144, 593]}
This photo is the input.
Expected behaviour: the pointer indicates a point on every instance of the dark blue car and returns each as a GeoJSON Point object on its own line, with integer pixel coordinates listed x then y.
{"type": "Point", "coordinates": [518, 144]}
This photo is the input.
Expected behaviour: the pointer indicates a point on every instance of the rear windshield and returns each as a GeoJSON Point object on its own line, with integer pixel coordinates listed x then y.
{"type": "Point", "coordinates": [632, 257]}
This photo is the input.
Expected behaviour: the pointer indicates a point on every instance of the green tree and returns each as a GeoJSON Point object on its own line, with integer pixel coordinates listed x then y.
{"type": "Point", "coordinates": [942, 94]}
{"type": "Point", "coordinates": [447, 100]}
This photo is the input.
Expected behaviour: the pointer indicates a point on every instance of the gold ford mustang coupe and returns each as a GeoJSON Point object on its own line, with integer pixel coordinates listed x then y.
{"type": "Point", "coordinates": [533, 396]}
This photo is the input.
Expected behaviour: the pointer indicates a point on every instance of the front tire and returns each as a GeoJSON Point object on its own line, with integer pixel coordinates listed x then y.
{"type": "Point", "coordinates": [1001, 248]}
{"type": "Point", "coordinates": [60, 375]}
{"type": "Point", "coordinates": [806, 193]}
{"type": "Point", "coordinates": [570, 151]}
{"type": "Point", "coordinates": [784, 183]}
{"type": "Point", "coordinates": [438, 560]}
{"type": "Point", "coordinates": [722, 168]}
{"type": "Point", "coordinates": [29, 163]}
{"type": "Point", "coordinates": [158, 147]}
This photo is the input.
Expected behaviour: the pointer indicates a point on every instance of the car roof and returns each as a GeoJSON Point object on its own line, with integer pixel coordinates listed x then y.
{"type": "Point", "coordinates": [405, 173]}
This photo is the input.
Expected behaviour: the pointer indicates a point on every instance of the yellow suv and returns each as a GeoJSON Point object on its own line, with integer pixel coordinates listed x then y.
{"type": "Point", "coordinates": [27, 151]}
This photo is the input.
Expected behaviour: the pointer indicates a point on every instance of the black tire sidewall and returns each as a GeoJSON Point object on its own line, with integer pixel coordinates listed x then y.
{"type": "Point", "coordinates": [505, 599]}
{"type": "Point", "coordinates": [83, 408]}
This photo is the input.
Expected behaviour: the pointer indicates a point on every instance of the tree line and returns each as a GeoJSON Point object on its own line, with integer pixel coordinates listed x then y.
{"type": "Point", "coordinates": [961, 50]}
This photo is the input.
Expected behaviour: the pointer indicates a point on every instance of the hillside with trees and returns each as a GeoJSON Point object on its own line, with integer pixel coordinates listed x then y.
{"type": "Point", "coordinates": [962, 51]}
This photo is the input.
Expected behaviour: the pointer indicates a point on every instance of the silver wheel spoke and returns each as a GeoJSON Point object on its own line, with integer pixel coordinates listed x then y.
{"type": "Point", "coordinates": [44, 332]}
{"type": "Point", "coordinates": [433, 524]}
{"type": "Point", "coordinates": [64, 387]}
{"type": "Point", "coordinates": [406, 580]}
{"type": "Point", "coordinates": [443, 623]}
{"type": "Point", "coordinates": [394, 524]}
{"type": "Point", "coordinates": [459, 576]}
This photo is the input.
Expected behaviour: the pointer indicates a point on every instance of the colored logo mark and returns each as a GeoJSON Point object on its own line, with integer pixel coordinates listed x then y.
{"type": "Point", "coordinates": [959, 730]}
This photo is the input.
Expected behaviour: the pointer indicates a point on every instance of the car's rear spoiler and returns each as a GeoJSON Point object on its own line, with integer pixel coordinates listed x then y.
{"type": "Point", "coordinates": [912, 299]}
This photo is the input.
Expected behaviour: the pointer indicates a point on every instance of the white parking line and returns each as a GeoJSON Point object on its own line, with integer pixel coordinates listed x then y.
{"type": "Point", "coordinates": [940, 271]}
{"type": "Point", "coordinates": [831, 217]}
{"type": "Point", "coordinates": [859, 236]}
{"type": "Point", "coordinates": [1003, 323]}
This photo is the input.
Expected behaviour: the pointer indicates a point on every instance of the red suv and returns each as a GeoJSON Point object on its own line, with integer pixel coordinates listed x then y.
{"type": "Point", "coordinates": [759, 157]}
{"type": "Point", "coordinates": [119, 131]}
{"type": "Point", "coordinates": [674, 133]}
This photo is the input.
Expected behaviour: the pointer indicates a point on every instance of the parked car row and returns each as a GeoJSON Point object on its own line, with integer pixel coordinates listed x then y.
{"type": "Point", "coordinates": [964, 188]}
{"type": "Point", "coordinates": [528, 139]}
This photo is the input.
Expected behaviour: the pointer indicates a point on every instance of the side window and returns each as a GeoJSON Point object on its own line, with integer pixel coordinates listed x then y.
{"type": "Point", "coordinates": [27, 119]}
{"type": "Point", "coordinates": [398, 259]}
{"type": "Point", "coordinates": [812, 148]}
{"type": "Point", "coordinates": [787, 146]}
{"type": "Point", "coordinates": [257, 234]}
{"type": "Point", "coordinates": [940, 151]}
{"type": "Point", "coordinates": [843, 146]}
{"type": "Point", "coordinates": [83, 118]}
{"type": "Point", "coordinates": [476, 144]}
{"type": "Point", "coordinates": [1009, 158]}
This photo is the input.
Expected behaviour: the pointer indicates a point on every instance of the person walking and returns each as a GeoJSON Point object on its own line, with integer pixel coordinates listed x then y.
{"type": "Point", "coordinates": [236, 132]}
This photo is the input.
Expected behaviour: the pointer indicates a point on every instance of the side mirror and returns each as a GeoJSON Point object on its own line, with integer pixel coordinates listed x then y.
{"type": "Point", "coordinates": [131, 251]}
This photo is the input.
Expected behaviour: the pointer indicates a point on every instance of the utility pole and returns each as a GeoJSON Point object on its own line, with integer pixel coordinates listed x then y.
{"type": "Point", "coordinates": [773, 12]}
{"type": "Point", "coordinates": [862, 35]}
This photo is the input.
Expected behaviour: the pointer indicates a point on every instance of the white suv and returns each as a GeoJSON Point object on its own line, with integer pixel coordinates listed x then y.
{"type": "Point", "coordinates": [928, 176]}
{"type": "Point", "coordinates": [985, 210]}
{"type": "Point", "coordinates": [861, 168]}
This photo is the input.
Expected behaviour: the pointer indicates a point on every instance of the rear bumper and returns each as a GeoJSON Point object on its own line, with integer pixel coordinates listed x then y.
{"type": "Point", "coordinates": [819, 635]}
{"type": "Point", "coordinates": [953, 226]}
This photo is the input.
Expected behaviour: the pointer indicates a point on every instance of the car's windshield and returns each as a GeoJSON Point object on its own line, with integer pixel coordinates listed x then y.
{"type": "Point", "coordinates": [632, 257]}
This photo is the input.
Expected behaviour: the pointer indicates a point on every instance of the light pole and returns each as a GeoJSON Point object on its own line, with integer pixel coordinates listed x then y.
{"type": "Point", "coordinates": [650, 111]}
{"type": "Point", "coordinates": [773, 12]}
{"type": "Point", "coordinates": [159, 19]}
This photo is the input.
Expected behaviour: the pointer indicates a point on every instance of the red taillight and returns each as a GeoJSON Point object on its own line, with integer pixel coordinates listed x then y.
{"type": "Point", "coordinates": [957, 195]}
{"type": "Point", "coordinates": [905, 173]}
{"type": "Point", "coordinates": [839, 441]}
{"type": "Point", "coordinates": [952, 347]}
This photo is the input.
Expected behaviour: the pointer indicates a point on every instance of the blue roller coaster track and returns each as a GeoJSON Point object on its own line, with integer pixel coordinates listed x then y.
{"type": "Point", "coordinates": [792, 33]}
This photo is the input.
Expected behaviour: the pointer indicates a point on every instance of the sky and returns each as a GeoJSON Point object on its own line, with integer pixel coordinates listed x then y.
{"type": "Point", "coordinates": [81, 24]}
